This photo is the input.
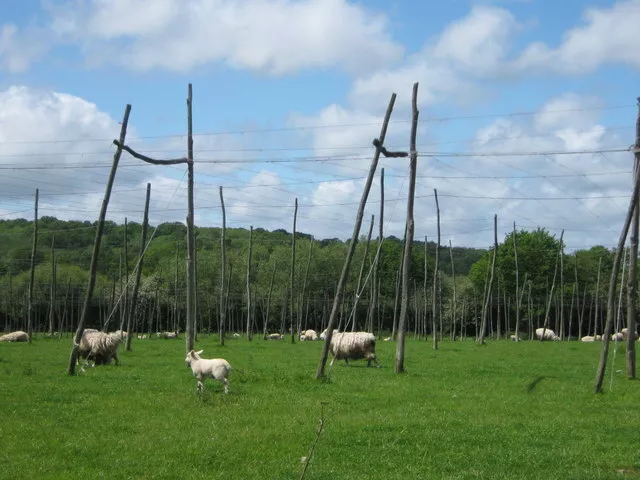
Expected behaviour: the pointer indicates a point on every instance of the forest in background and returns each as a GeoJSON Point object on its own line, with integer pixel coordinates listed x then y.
{"type": "Point", "coordinates": [575, 308]}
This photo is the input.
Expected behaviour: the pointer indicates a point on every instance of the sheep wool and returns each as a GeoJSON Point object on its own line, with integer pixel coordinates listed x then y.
{"type": "Point", "coordinates": [100, 347]}
{"type": "Point", "coordinates": [18, 336]}
{"type": "Point", "coordinates": [353, 346]}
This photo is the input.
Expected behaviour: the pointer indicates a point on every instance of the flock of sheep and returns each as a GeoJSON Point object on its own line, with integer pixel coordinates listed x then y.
{"type": "Point", "coordinates": [101, 347]}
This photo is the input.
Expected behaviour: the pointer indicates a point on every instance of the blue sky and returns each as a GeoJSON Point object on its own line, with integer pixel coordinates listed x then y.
{"type": "Point", "coordinates": [307, 81]}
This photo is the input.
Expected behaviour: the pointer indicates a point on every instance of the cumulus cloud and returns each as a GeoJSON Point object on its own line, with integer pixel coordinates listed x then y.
{"type": "Point", "coordinates": [61, 144]}
{"type": "Point", "coordinates": [607, 36]}
{"type": "Point", "coordinates": [179, 35]}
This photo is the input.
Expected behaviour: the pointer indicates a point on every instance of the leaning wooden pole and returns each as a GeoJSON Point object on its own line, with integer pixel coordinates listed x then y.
{"type": "Point", "coordinates": [136, 286]}
{"type": "Point", "coordinates": [434, 298]}
{"type": "Point", "coordinates": [602, 366]}
{"type": "Point", "coordinates": [223, 264]}
{"type": "Point", "coordinates": [73, 358]}
{"type": "Point", "coordinates": [406, 262]}
{"type": "Point", "coordinates": [32, 271]}
{"type": "Point", "coordinates": [632, 284]}
{"type": "Point", "coordinates": [337, 300]}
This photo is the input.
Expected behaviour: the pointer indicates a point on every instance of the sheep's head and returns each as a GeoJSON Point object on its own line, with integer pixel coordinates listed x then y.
{"type": "Point", "coordinates": [192, 355]}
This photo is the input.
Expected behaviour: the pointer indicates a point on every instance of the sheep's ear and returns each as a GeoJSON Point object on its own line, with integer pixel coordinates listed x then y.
{"type": "Point", "coordinates": [199, 352]}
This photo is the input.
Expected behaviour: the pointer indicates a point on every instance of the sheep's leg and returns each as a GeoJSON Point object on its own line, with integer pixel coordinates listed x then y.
{"type": "Point", "coordinates": [332, 360]}
{"type": "Point", "coordinates": [225, 383]}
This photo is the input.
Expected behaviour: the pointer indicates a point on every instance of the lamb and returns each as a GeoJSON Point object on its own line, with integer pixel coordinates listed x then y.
{"type": "Point", "coordinates": [18, 336]}
{"type": "Point", "coordinates": [98, 346]}
{"type": "Point", "coordinates": [548, 334]}
{"type": "Point", "coordinates": [308, 335]}
{"type": "Point", "coordinates": [216, 368]}
{"type": "Point", "coordinates": [354, 346]}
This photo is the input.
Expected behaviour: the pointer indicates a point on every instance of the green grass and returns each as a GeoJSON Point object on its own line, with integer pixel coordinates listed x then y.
{"type": "Point", "coordinates": [502, 411]}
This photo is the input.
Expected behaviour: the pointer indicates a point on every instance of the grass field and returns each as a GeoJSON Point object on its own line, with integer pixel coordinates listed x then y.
{"type": "Point", "coordinates": [502, 411]}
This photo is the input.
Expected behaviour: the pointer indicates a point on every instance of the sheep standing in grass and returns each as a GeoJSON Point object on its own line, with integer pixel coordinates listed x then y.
{"type": "Point", "coordinates": [617, 337]}
{"type": "Point", "coordinates": [548, 334]}
{"type": "Point", "coordinates": [353, 346]}
{"type": "Point", "coordinates": [100, 347]}
{"type": "Point", "coordinates": [18, 336]}
{"type": "Point", "coordinates": [216, 368]}
{"type": "Point", "coordinates": [310, 335]}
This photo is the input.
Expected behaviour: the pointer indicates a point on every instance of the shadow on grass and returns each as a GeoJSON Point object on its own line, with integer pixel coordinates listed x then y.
{"type": "Point", "coordinates": [532, 386]}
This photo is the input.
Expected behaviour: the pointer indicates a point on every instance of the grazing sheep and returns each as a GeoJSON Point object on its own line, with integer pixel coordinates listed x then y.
{"type": "Point", "coordinates": [216, 368]}
{"type": "Point", "coordinates": [308, 335]}
{"type": "Point", "coordinates": [514, 338]}
{"type": "Point", "coordinates": [353, 346]}
{"type": "Point", "coordinates": [236, 335]}
{"type": "Point", "coordinates": [100, 347]}
{"type": "Point", "coordinates": [548, 334]}
{"type": "Point", "coordinates": [597, 338]}
{"type": "Point", "coordinates": [275, 336]}
{"type": "Point", "coordinates": [617, 337]}
{"type": "Point", "coordinates": [387, 339]}
{"type": "Point", "coordinates": [18, 336]}
{"type": "Point", "coordinates": [588, 339]}
{"type": "Point", "coordinates": [167, 334]}
{"type": "Point", "coordinates": [142, 337]}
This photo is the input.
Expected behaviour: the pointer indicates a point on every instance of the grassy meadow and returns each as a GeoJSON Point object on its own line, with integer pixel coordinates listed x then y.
{"type": "Point", "coordinates": [500, 411]}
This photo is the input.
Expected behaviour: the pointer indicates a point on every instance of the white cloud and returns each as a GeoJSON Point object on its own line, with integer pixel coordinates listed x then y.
{"type": "Point", "coordinates": [276, 38]}
{"type": "Point", "coordinates": [607, 36]}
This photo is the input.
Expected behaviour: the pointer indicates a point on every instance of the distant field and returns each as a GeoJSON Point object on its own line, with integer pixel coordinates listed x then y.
{"type": "Point", "coordinates": [502, 411]}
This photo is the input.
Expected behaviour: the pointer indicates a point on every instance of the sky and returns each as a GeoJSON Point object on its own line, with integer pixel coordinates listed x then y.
{"type": "Point", "coordinates": [527, 110]}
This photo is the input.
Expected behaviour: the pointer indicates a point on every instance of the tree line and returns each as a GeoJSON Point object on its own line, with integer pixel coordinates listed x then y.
{"type": "Point", "coordinates": [63, 254]}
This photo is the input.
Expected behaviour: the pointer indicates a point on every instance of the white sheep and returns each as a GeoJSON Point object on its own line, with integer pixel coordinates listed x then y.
{"type": "Point", "coordinates": [617, 337]}
{"type": "Point", "coordinates": [18, 336]}
{"type": "Point", "coordinates": [353, 346]}
{"type": "Point", "coordinates": [514, 338]}
{"type": "Point", "coordinates": [98, 346]}
{"type": "Point", "coordinates": [588, 339]}
{"type": "Point", "coordinates": [275, 336]}
{"type": "Point", "coordinates": [216, 368]}
{"type": "Point", "coordinates": [310, 335]}
{"type": "Point", "coordinates": [548, 334]}
{"type": "Point", "coordinates": [387, 339]}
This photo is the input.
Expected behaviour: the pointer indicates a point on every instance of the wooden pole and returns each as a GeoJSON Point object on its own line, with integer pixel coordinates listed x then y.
{"type": "Point", "coordinates": [96, 246]}
{"type": "Point", "coordinates": [249, 312]}
{"type": "Point", "coordinates": [136, 286]}
{"type": "Point", "coordinates": [434, 298]}
{"type": "Point", "coordinates": [32, 271]}
{"type": "Point", "coordinates": [406, 263]}
{"type": "Point", "coordinates": [293, 271]}
{"type": "Point", "coordinates": [632, 284]}
{"type": "Point", "coordinates": [223, 263]}
{"type": "Point", "coordinates": [337, 301]}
